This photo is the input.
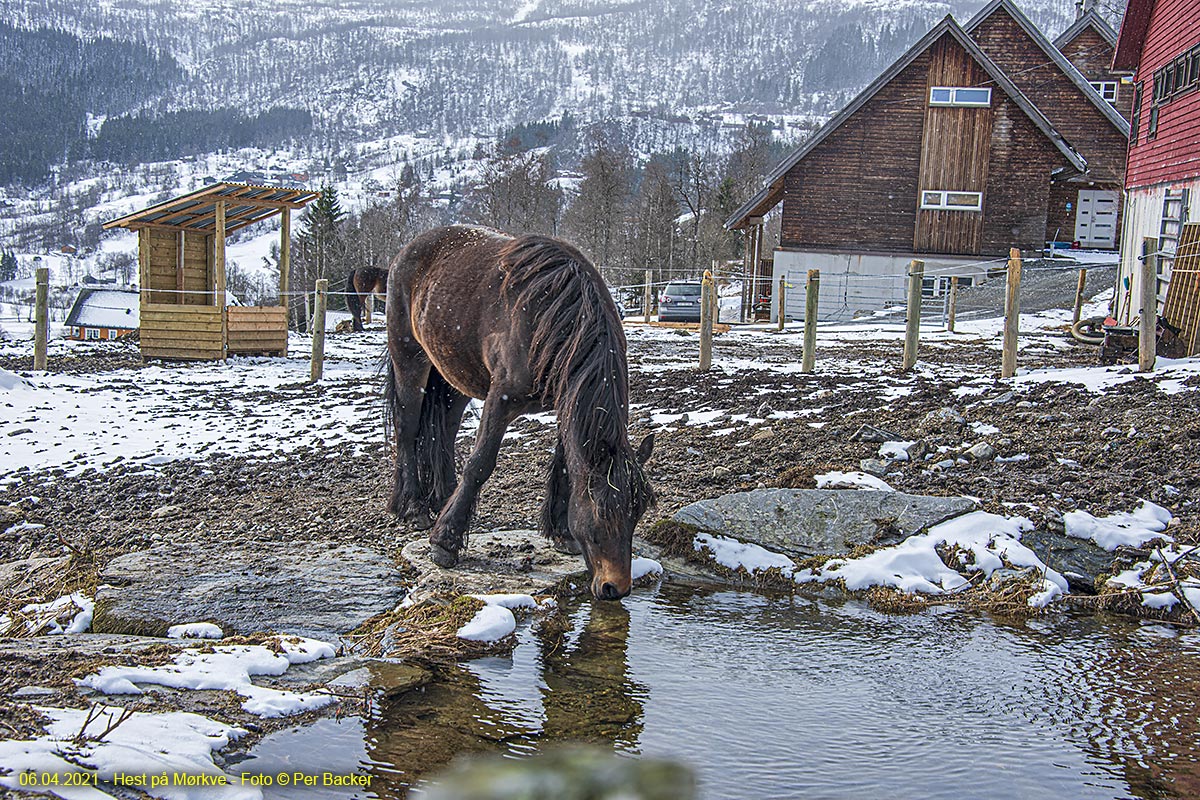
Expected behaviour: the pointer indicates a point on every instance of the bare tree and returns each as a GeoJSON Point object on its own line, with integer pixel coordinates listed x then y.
{"type": "Point", "coordinates": [596, 219]}
{"type": "Point", "coordinates": [518, 193]}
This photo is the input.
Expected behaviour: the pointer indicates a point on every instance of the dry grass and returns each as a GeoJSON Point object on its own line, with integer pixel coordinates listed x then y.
{"type": "Point", "coordinates": [78, 573]}
{"type": "Point", "coordinates": [426, 631]}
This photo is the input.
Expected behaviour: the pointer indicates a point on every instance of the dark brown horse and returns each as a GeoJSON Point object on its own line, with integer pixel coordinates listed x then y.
{"type": "Point", "coordinates": [362, 285]}
{"type": "Point", "coordinates": [527, 324]}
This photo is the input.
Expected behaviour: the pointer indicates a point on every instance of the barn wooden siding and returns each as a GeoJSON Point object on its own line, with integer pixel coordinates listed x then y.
{"type": "Point", "coordinates": [1092, 55]}
{"type": "Point", "coordinates": [1174, 154]}
{"type": "Point", "coordinates": [955, 149]}
{"type": "Point", "coordinates": [1080, 122]}
{"type": "Point", "coordinates": [858, 190]}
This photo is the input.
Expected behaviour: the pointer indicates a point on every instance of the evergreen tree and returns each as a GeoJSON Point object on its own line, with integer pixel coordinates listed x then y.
{"type": "Point", "coordinates": [320, 247]}
{"type": "Point", "coordinates": [8, 266]}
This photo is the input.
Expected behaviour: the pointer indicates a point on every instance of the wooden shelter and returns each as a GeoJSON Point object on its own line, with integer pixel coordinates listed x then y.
{"type": "Point", "coordinates": [181, 272]}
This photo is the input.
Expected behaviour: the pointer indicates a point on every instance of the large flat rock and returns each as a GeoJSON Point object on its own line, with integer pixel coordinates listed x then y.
{"type": "Point", "coordinates": [266, 587]}
{"type": "Point", "coordinates": [495, 562]}
{"type": "Point", "coordinates": [814, 522]}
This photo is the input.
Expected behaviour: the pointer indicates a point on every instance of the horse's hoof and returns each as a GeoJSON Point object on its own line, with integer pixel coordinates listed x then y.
{"type": "Point", "coordinates": [567, 546]}
{"type": "Point", "coordinates": [446, 559]}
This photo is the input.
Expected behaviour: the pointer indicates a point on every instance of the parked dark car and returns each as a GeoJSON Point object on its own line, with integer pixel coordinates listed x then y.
{"type": "Point", "coordinates": [680, 302]}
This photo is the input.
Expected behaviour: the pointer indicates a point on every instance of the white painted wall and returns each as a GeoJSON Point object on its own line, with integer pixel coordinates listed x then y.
{"type": "Point", "coordinates": [858, 284]}
{"type": "Point", "coordinates": [1143, 218]}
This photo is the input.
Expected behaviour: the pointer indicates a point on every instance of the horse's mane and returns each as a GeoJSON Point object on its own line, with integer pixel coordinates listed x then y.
{"type": "Point", "coordinates": [577, 361]}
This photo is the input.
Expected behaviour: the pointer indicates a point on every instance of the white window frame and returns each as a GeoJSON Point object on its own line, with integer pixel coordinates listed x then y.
{"type": "Point", "coordinates": [955, 101]}
{"type": "Point", "coordinates": [92, 334]}
{"type": "Point", "coordinates": [942, 203]}
{"type": "Point", "coordinates": [1106, 89]}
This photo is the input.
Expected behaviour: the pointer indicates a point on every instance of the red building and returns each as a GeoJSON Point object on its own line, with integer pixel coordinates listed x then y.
{"type": "Point", "coordinates": [1160, 43]}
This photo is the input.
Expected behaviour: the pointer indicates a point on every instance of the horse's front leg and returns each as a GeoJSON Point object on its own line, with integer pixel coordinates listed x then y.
{"type": "Point", "coordinates": [446, 538]}
{"type": "Point", "coordinates": [554, 509]}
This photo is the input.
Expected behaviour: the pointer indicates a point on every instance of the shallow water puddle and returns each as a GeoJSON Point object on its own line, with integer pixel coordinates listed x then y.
{"type": "Point", "coordinates": [779, 697]}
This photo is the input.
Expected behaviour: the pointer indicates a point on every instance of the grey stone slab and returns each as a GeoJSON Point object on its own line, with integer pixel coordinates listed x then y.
{"type": "Point", "coordinates": [277, 587]}
{"type": "Point", "coordinates": [811, 522]}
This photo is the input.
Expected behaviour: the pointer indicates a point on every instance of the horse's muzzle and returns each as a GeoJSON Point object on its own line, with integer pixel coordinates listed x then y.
{"type": "Point", "coordinates": [609, 590]}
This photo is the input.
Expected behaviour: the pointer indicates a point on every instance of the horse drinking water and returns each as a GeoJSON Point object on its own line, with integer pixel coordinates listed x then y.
{"type": "Point", "coordinates": [527, 324]}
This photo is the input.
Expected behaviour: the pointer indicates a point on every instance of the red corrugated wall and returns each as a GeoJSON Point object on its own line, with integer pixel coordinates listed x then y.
{"type": "Point", "coordinates": [1175, 153]}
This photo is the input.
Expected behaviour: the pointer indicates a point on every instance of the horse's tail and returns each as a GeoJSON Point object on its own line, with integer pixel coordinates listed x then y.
{"type": "Point", "coordinates": [353, 301]}
{"type": "Point", "coordinates": [436, 431]}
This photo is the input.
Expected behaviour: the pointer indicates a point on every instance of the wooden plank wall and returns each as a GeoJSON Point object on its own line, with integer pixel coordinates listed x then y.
{"type": "Point", "coordinates": [857, 190]}
{"type": "Point", "coordinates": [1092, 55]}
{"type": "Point", "coordinates": [1182, 307]}
{"type": "Point", "coordinates": [188, 333]}
{"type": "Point", "coordinates": [954, 154]}
{"type": "Point", "coordinates": [164, 273]}
{"type": "Point", "coordinates": [1080, 122]}
{"type": "Point", "coordinates": [257, 330]}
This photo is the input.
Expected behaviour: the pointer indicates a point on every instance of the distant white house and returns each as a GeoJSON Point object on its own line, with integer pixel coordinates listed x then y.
{"type": "Point", "coordinates": [102, 314]}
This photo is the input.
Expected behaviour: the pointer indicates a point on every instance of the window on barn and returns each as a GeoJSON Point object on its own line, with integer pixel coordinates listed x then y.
{"type": "Point", "coordinates": [959, 96]}
{"type": "Point", "coordinates": [939, 200]}
{"type": "Point", "coordinates": [1135, 117]}
{"type": "Point", "coordinates": [1107, 89]}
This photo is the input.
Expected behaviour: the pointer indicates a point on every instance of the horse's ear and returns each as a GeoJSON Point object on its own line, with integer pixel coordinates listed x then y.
{"type": "Point", "coordinates": [645, 448]}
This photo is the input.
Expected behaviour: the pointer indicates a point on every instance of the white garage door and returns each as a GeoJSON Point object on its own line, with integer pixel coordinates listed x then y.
{"type": "Point", "coordinates": [1096, 218]}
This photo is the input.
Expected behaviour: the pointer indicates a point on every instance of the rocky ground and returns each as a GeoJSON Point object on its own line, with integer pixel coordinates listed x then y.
{"type": "Point", "coordinates": [1052, 445]}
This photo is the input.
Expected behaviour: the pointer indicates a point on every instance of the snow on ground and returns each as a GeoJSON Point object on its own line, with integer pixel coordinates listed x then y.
{"type": "Point", "coordinates": [642, 567]}
{"type": "Point", "coordinates": [195, 630]}
{"type": "Point", "coordinates": [71, 613]}
{"type": "Point", "coordinates": [983, 543]}
{"type": "Point", "coordinates": [177, 743]}
{"type": "Point", "coordinates": [164, 412]}
{"type": "Point", "coordinates": [851, 480]}
{"type": "Point", "coordinates": [1128, 529]}
{"type": "Point", "coordinates": [228, 667]}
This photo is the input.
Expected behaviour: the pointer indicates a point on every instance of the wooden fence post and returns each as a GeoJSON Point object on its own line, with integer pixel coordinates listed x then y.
{"type": "Point", "coordinates": [318, 342]}
{"type": "Point", "coordinates": [1079, 296]}
{"type": "Point", "coordinates": [648, 295]}
{"type": "Point", "coordinates": [1012, 314]}
{"type": "Point", "coordinates": [41, 318]}
{"type": "Point", "coordinates": [953, 303]}
{"type": "Point", "coordinates": [1148, 324]}
{"type": "Point", "coordinates": [912, 330]}
{"type": "Point", "coordinates": [782, 300]}
{"type": "Point", "coordinates": [812, 291]}
{"type": "Point", "coordinates": [706, 322]}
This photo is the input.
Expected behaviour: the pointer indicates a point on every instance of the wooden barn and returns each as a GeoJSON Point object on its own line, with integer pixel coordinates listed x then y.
{"type": "Point", "coordinates": [100, 314]}
{"type": "Point", "coordinates": [1084, 208]}
{"type": "Point", "coordinates": [1160, 43]}
{"type": "Point", "coordinates": [184, 309]}
{"type": "Point", "coordinates": [1089, 44]}
{"type": "Point", "coordinates": [941, 158]}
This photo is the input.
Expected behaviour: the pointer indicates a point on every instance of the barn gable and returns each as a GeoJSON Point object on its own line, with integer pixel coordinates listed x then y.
{"type": "Point", "coordinates": [860, 182]}
{"type": "Point", "coordinates": [1045, 75]}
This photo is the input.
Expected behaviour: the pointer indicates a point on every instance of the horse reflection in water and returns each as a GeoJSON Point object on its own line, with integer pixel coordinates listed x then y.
{"type": "Point", "coordinates": [490, 706]}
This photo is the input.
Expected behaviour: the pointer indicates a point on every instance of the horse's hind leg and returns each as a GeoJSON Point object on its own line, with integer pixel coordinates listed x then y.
{"type": "Point", "coordinates": [407, 376]}
{"type": "Point", "coordinates": [554, 509]}
{"type": "Point", "coordinates": [446, 538]}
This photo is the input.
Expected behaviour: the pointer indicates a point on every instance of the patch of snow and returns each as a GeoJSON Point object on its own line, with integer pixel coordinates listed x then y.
{"type": "Point", "coordinates": [895, 451]}
{"type": "Point", "coordinates": [641, 567]}
{"type": "Point", "coordinates": [987, 542]}
{"type": "Point", "coordinates": [984, 429]}
{"type": "Point", "coordinates": [851, 480]}
{"type": "Point", "coordinates": [1159, 599]}
{"type": "Point", "coordinates": [177, 743]}
{"type": "Point", "coordinates": [195, 630]}
{"type": "Point", "coordinates": [733, 554]}
{"type": "Point", "coordinates": [1046, 594]}
{"type": "Point", "coordinates": [1131, 529]}
{"type": "Point", "coordinates": [490, 624]}
{"type": "Point", "coordinates": [11, 382]}
{"type": "Point", "coordinates": [509, 601]}
{"type": "Point", "coordinates": [226, 668]}
{"type": "Point", "coordinates": [51, 615]}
